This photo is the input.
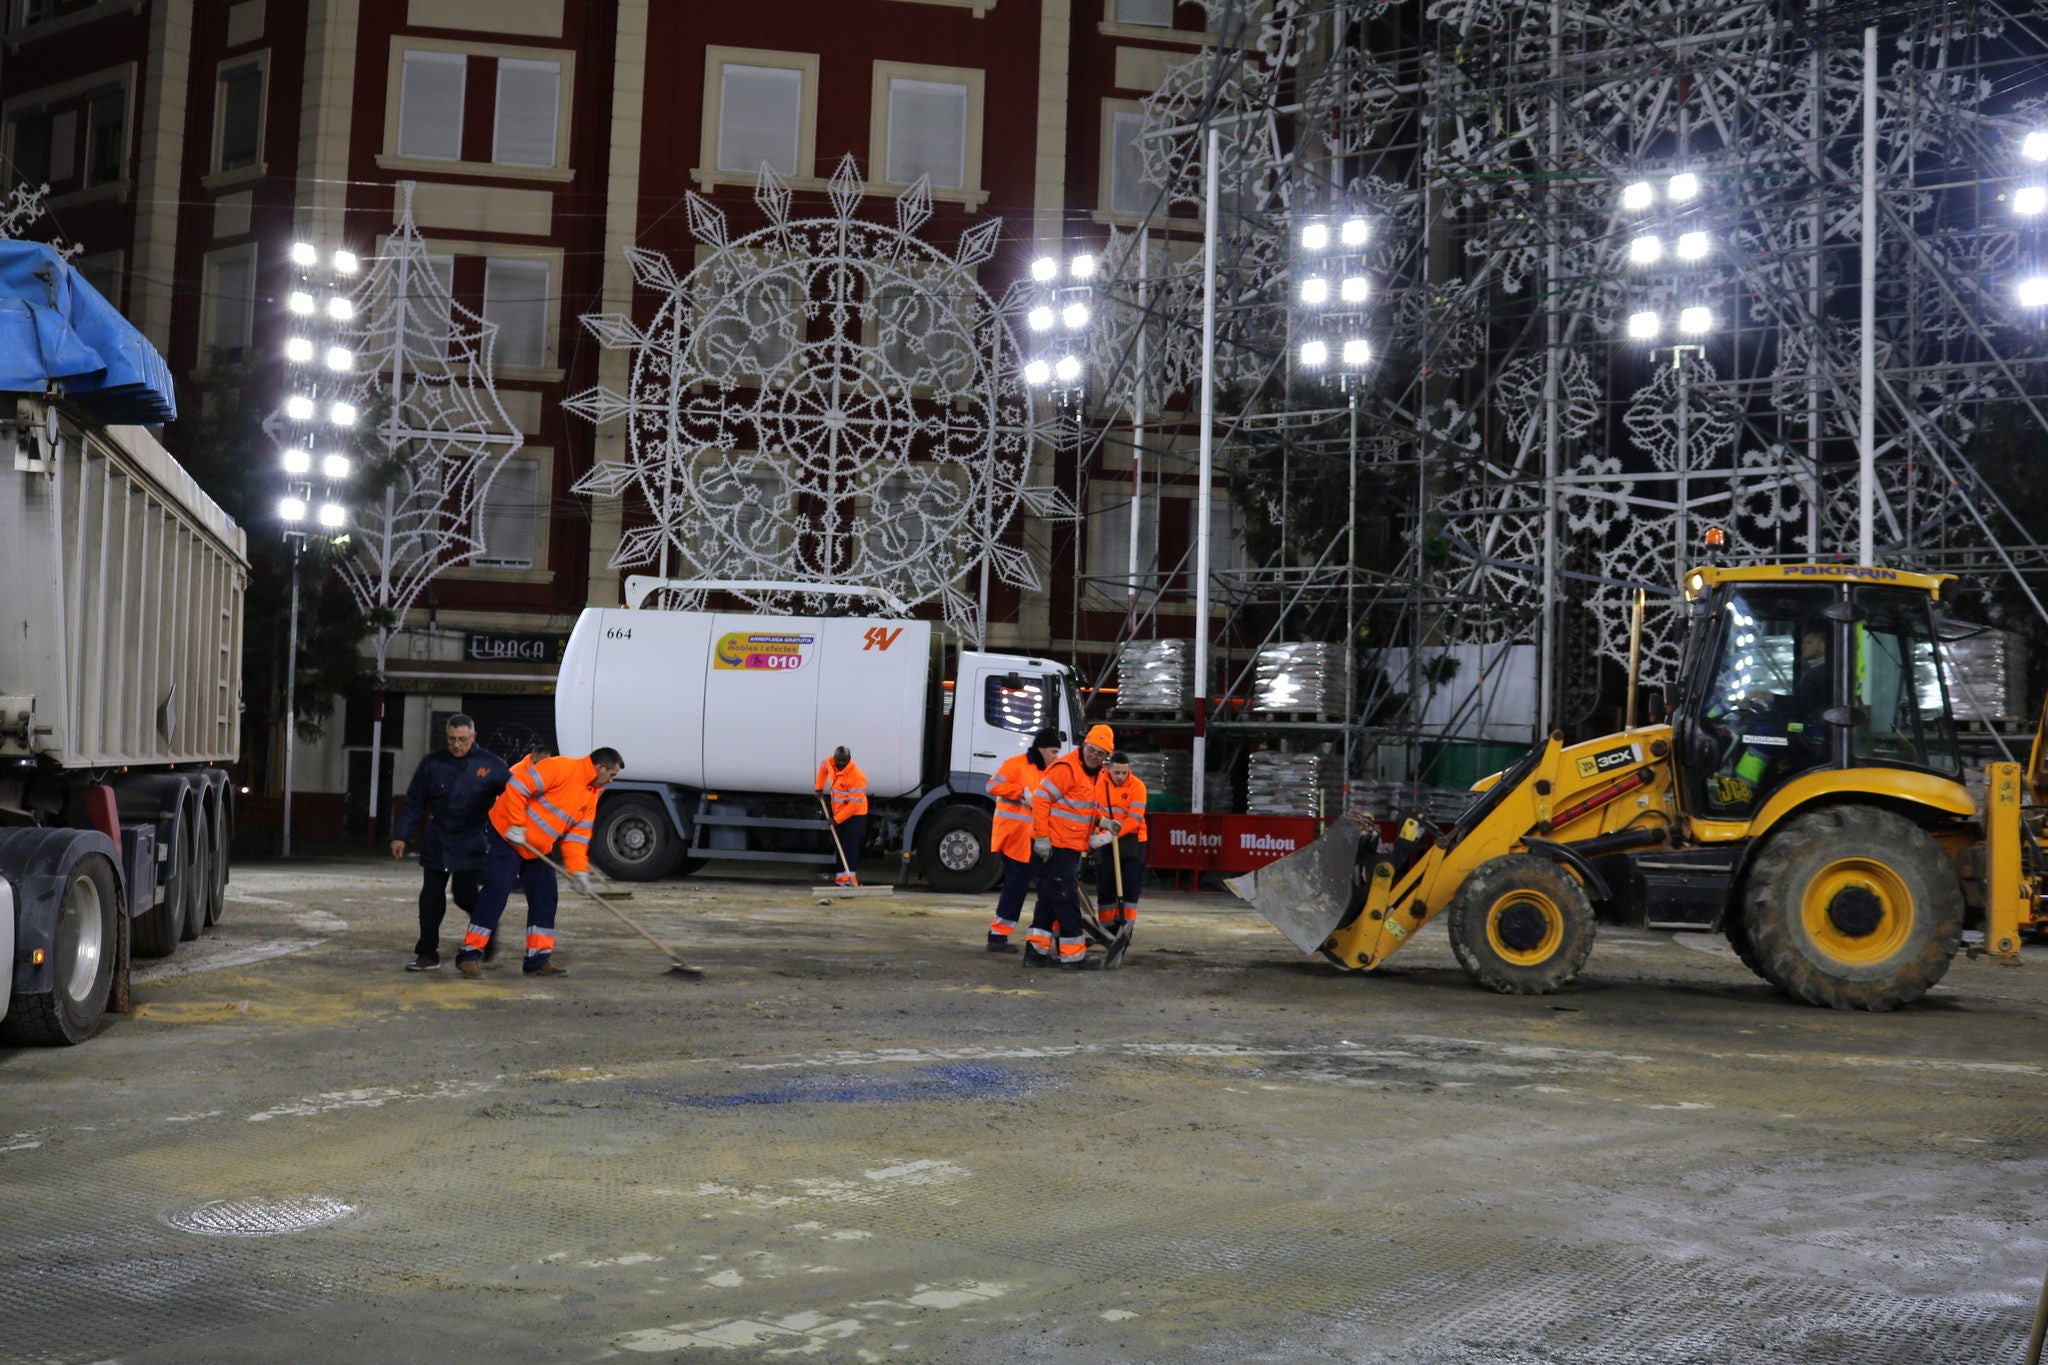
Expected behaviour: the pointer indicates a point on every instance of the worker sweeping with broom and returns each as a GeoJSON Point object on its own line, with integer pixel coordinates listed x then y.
{"type": "Point", "coordinates": [1120, 860]}
{"type": "Point", "coordinates": [545, 805]}
{"type": "Point", "coordinates": [843, 787]}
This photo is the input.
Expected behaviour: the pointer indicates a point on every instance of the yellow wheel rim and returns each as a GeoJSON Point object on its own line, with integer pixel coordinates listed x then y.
{"type": "Point", "coordinates": [1527, 918]}
{"type": "Point", "coordinates": [1857, 910]}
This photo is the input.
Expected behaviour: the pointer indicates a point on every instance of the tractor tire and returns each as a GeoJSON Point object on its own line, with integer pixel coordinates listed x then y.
{"type": "Point", "coordinates": [954, 851]}
{"type": "Point", "coordinates": [634, 840]}
{"type": "Point", "coordinates": [1853, 907]}
{"type": "Point", "coordinates": [83, 962]}
{"type": "Point", "coordinates": [1736, 928]}
{"type": "Point", "coordinates": [1521, 925]}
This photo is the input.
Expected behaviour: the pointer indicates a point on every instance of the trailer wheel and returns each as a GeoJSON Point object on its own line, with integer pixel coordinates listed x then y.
{"type": "Point", "coordinates": [1521, 925]}
{"type": "Point", "coordinates": [634, 841]}
{"type": "Point", "coordinates": [198, 870]}
{"type": "Point", "coordinates": [217, 840]}
{"type": "Point", "coordinates": [1854, 907]}
{"type": "Point", "coordinates": [156, 932]}
{"type": "Point", "coordinates": [953, 849]}
{"type": "Point", "coordinates": [82, 960]}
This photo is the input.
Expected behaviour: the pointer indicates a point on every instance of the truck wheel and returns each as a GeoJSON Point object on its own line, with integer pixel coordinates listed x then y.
{"type": "Point", "coordinates": [82, 963]}
{"type": "Point", "coordinates": [1854, 908]}
{"type": "Point", "coordinates": [156, 932]}
{"type": "Point", "coordinates": [1736, 928]}
{"type": "Point", "coordinates": [198, 871]}
{"type": "Point", "coordinates": [634, 841]}
{"type": "Point", "coordinates": [1521, 925]}
{"type": "Point", "coordinates": [217, 840]}
{"type": "Point", "coordinates": [953, 849]}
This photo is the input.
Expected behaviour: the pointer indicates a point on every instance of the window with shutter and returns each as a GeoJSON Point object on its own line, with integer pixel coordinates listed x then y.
{"type": "Point", "coordinates": [1109, 534]}
{"type": "Point", "coordinates": [63, 146]}
{"type": "Point", "coordinates": [1146, 13]}
{"type": "Point", "coordinates": [28, 148]}
{"type": "Point", "coordinates": [1128, 192]}
{"type": "Point", "coordinates": [516, 299]}
{"type": "Point", "coordinates": [241, 116]}
{"type": "Point", "coordinates": [508, 520]}
{"type": "Point", "coordinates": [927, 133]}
{"type": "Point", "coordinates": [430, 105]}
{"type": "Point", "coordinates": [529, 96]}
{"type": "Point", "coordinates": [228, 308]}
{"type": "Point", "coordinates": [760, 114]}
{"type": "Point", "coordinates": [922, 338]}
{"type": "Point", "coordinates": [106, 141]}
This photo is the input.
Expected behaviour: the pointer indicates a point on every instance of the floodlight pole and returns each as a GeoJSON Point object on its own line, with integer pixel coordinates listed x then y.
{"type": "Point", "coordinates": [291, 697]}
{"type": "Point", "coordinates": [1197, 797]}
{"type": "Point", "coordinates": [1866, 440]}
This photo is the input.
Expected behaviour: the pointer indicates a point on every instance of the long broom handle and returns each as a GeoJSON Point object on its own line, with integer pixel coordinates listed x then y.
{"type": "Point", "coordinates": [611, 909]}
{"type": "Point", "coordinates": [832, 828]}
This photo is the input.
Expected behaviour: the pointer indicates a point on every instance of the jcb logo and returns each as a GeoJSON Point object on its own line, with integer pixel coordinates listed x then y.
{"type": "Point", "coordinates": [881, 637]}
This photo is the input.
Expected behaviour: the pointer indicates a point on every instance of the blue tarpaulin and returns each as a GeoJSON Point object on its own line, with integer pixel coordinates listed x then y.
{"type": "Point", "coordinates": [57, 329]}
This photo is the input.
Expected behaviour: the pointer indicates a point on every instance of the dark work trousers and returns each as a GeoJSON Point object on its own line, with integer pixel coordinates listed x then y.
{"type": "Point", "coordinates": [504, 868]}
{"type": "Point", "coordinates": [1133, 854]}
{"type": "Point", "coordinates": [1058, 915]}
{"type": "Point", "coordinates": [850, 832]}
{"type": "Point", "coordinates": [434, 904]}
{"type": "Point", "coordinates": [1019, 876]}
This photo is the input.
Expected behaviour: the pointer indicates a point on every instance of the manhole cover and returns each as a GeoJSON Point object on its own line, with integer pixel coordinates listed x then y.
{"type": "Point", "coordinates": [259, 1217]}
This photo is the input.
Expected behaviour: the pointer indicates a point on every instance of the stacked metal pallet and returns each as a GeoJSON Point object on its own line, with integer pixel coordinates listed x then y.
{"type": "Point", "coordinates": [1305, 678]}
{"type": "Point", "coordinates": [1987, 676]}
{"type": "Point", "coordinates": [1294, 784]}
{"type": "Point", "coordinates": [1152, 676]}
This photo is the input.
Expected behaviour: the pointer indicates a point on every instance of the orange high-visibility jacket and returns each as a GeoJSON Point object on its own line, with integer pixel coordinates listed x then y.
{"type": "Point", "coordinates": [1010, 834]}
{"type": "Point", "coordinates": [1124, 802]}
{"type": "Point", "coordinates": [554, 801]}
{"type": "Point", "coordinates": [847, 787]}
{"type": "Point", "coordinates": [1064, 808]}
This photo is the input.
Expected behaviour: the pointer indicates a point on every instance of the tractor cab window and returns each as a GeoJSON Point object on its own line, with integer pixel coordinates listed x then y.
{"type": "Point", "coordinates": [1897, 685]}
{"type": "Point", "coordinates": [1759, 717]}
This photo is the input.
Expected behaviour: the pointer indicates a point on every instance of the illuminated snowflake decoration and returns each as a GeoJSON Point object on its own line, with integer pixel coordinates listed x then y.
{"type": "Point", "coordinates": [441, 435]}
{"type": "Point", "coordinates": [824, 400]}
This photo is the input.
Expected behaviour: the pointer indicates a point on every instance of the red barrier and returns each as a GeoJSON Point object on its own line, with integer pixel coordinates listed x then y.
{"type": "Point", "coordinates": [1225, 843]}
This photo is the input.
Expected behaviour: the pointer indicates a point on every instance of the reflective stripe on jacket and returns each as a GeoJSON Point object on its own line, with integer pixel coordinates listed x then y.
{"type": "Point", "coordinates": [1064, 807]}
{"type": "Point", "coordinates": [1124, 802]}
{"type": "Point", "coordinates": [555, 803]}
{"type": "Point", "coordinates": [1010, 831]}
{"type": "Point", "coordinates": [847, 787]}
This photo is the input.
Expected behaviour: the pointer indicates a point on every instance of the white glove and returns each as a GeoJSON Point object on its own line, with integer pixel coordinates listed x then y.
{"type": "Point", "coordinates": [581, 881]}
{"type": "Point", "coordinates": [516, 836]}
{"type": "Point", "coordinates": [1101, 839]}
{"type": "Point", "coordinates": [1041, 848]}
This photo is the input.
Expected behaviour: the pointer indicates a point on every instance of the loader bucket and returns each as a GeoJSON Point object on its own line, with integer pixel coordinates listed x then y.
{"type": "Point", "coordinates": [1311, 891]}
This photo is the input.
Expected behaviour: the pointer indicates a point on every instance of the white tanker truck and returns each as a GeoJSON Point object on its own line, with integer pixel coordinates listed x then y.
{"type": "Point", "coordinates": [724, 718]}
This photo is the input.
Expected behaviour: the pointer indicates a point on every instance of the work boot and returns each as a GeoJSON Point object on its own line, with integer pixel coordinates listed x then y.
{"type": "Point", "coordinates": [471, 968]}
{"type": "Point", "coordinates": [550, 970]}
{"type": "Point", "coordinates": [1083, 963]}
{"type": "Point", "coordinates": [1034, 957]}
{"type": "Point", "coordinates": [425, 962]}
{"type": "Point", "coordinates": [998, 944]}
{"type": "Point", "coordinates": [490, 947]}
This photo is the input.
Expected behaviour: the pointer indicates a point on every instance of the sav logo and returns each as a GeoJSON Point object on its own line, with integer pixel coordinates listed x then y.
{"type": "Point", "coordinates": [747, 650]}
{"type": "Point", "coordinates": [881, 637]}
{"type": "Point", "coordinates": [1592, 765]}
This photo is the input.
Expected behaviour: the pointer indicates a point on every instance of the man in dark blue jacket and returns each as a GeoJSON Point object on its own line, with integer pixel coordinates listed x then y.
{"type": "Point", "coordinates": [450, 798]}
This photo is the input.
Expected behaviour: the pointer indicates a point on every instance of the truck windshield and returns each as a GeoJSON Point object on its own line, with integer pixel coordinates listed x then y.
{"type": "Point", "coordinates": [1899, 686]}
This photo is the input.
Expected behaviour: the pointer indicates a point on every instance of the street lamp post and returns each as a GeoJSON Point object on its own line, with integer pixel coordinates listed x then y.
{"type": "Point", "coordinates": [311, 504]}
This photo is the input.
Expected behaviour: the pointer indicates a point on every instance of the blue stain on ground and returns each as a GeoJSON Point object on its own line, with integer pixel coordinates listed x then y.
{"type": "Point", "coordinates": [963, 1082]}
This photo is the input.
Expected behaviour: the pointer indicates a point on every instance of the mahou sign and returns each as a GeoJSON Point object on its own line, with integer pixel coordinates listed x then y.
{"type": "Point", "coordinates": [1225, 843]}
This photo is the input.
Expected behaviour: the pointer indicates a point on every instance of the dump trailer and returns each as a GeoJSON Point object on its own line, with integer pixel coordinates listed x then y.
{"type": "Point", "coordinates": [121, 588]}
{"type": "Point", "coordinates": [1806, 800]}
{"type": "Point", "coordinates": [724, 718]}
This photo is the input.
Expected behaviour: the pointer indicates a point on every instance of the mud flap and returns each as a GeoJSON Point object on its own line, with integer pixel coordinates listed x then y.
{"type": "Point", "coordinates": [1310, 892]}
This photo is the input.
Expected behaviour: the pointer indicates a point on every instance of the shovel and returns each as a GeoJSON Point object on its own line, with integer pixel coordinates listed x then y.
{"type": "Point", "coordinates": [676, 966]}
{"type": "Point", "coordinates": [1114, 958]}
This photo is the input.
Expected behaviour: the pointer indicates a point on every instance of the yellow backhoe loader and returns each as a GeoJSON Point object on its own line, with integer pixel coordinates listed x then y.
{"type": "Point", "coordinates": [1806, 798]}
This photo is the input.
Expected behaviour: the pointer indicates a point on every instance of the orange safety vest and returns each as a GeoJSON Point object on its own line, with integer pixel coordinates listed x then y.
{"type": "Point", "coordinates": [1125, 803]}
{"type": "Point", "coordinates": [555, 803]}
{"type": "Point", "coordinates": [1064, 808]}
{"type": "Point", "coordinates": [1010, 832]}
{"type": "Point", "coordinates": [848, 788]}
